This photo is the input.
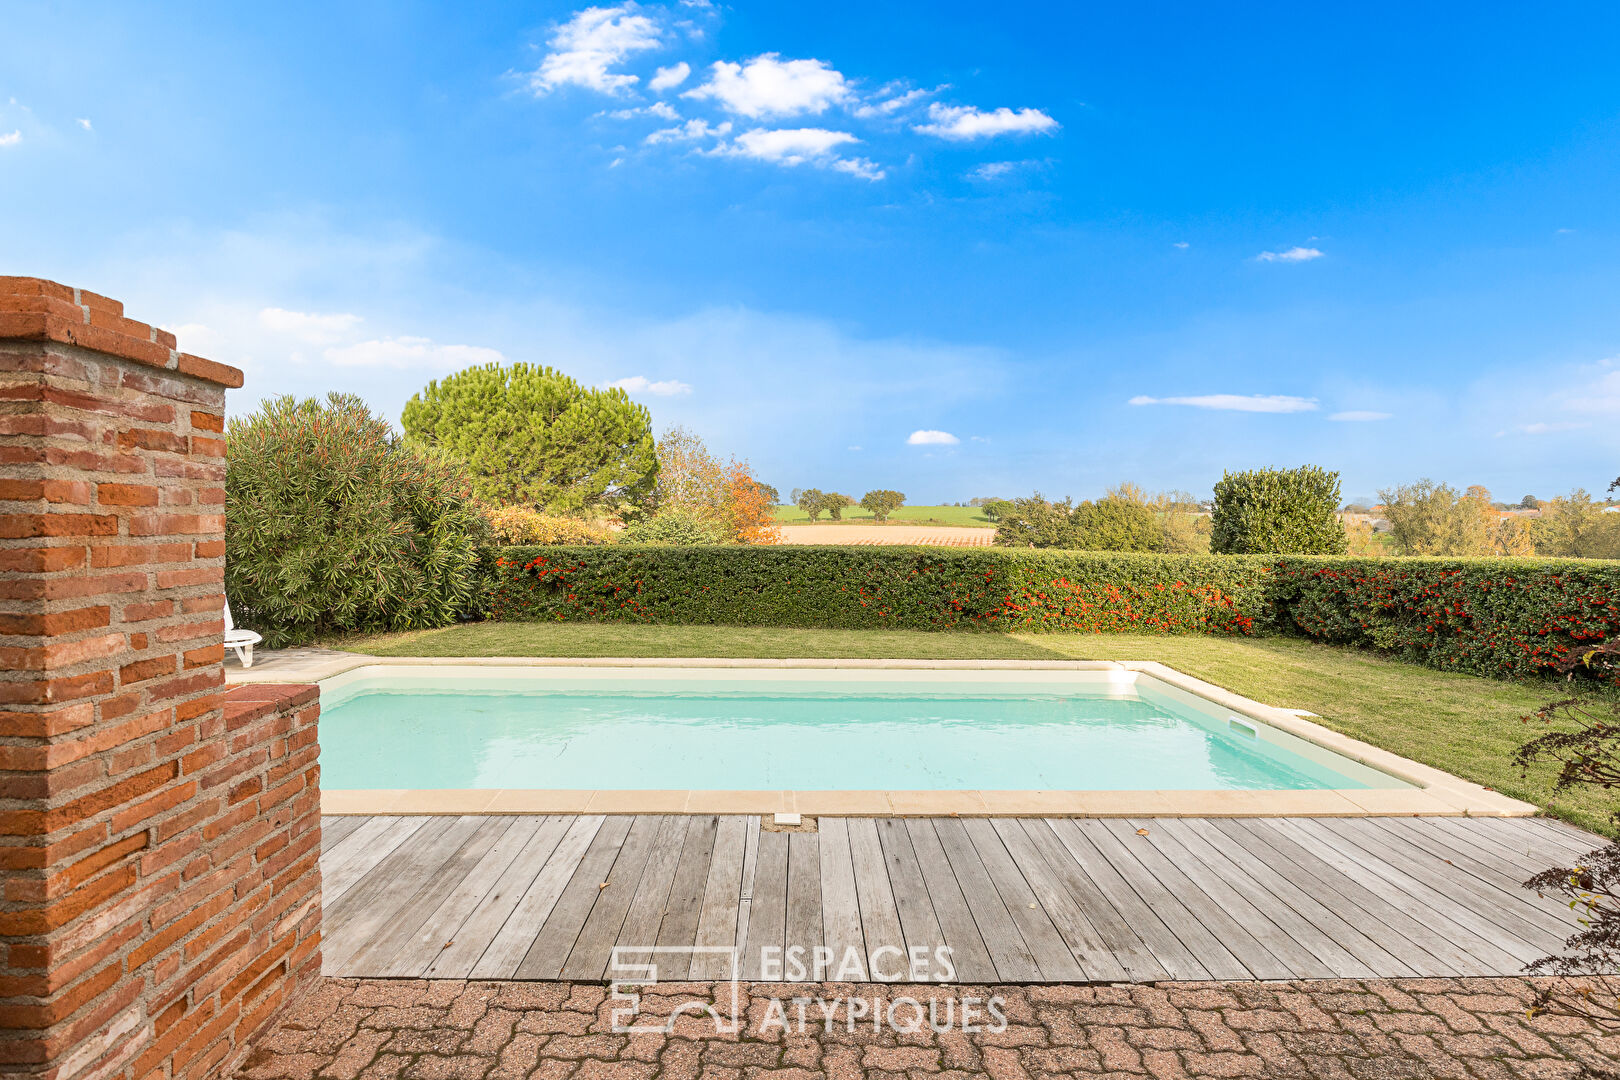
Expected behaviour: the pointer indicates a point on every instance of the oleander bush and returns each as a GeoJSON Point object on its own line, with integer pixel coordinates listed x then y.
{"type": "Point", "coordinates": [1500, 617]}
{"type": "Point", "coordinates": [332, 524]}
{"type": "Point", "coordinates": [881, 587]}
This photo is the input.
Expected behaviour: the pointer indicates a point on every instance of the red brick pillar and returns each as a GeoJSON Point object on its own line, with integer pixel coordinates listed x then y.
{"type": "Point", "coordinates": [161, 893]}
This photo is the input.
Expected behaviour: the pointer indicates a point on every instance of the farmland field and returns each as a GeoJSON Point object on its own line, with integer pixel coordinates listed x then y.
{"type": "Point", "coordinates": [910, 515]}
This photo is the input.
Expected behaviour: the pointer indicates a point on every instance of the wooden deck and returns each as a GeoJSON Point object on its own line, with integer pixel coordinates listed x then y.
{"type": "Point", "coordinates": [1015, 899]}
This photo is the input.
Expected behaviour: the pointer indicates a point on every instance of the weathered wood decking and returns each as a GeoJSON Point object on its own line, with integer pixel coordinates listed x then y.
{"type": "Point", "coordinates": [1015, 899]}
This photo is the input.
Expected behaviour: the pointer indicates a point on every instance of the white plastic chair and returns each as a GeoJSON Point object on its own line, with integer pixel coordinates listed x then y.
{"type": "Point", "coordinates": [240, 640]}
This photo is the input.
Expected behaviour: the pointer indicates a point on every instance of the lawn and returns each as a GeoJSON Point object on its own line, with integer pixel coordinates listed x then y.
{"type": "Point", "coordinates": [909, 515]}
{"type": "Point", "coordinates": [1465, 725]}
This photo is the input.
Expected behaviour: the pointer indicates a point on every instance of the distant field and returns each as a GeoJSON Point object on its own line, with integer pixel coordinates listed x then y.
{"type": "Point", "coordinates": [911, 515]}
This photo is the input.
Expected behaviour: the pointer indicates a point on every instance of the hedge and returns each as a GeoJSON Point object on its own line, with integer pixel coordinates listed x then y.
{"type": "Point", "coordinates": [1499, 617]}
{"type": "Point", "coordinates": [899, 588]}
{"type": "Point", "coordinates": [1503, 617]}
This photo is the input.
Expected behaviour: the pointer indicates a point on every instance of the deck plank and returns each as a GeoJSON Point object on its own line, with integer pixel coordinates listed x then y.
{"type": "Point", "coordinates": [959, 915]}
{"type": "Point", "coordinates": [1261, 945]}
{"type": "Point", "coordinates": [639, 934]}
{"type": "Point", "coordinates": [1319, 943]}
{"type": "Point", "coordinates": [550, 947]}
{"type": "Point", "coordinates": [1499, 950]}
{"type": "Point", "coordinates": [1121, 942]}
{"type": "Point", "coordinates": [1203, 943]}
{"type": "Point", "coordinates": [512, 941]}
{"type": "Point", "coordinates": [357, 854]}
{"type": "Point", "coordinates": [803, 933]}
{"type": "Point", "coordinates": [680, 922]}
{"type": "Point", "coordinates": [722, 900]}
{"type": "Point", "coordinates": [401, 929]}
{"type": "Point", "coordinates": [478, 927]}
{"type": "Point", "coordinates": [365, 910]}
{"type": "Point", "coordinates": [840, 904]}
{"type": "Point", "coordinates": [1076, 928]}
{"type": "Point", "coordinates": [592, 951]}
{"type": "Point", "coordinates": [880, 914]}
{"type": "Point", "coordinates": [1416, 948]}
{"type": "Point", "coordinates": [1008, 954]}
{"type": "Point", "coordinates": [336, 827]}
{"type": "Point", "coordinates": [767, 911]}
{"type": "Point", "coordinates": [917, 919]}
{"type": "Point", "coordinates": [1177, 960]}
{"type": "Point", "coordinates": [438, 932]}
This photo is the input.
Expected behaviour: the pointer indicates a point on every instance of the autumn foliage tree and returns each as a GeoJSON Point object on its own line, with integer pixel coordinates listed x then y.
{"type": "Point", "coordinates": [750, 511]}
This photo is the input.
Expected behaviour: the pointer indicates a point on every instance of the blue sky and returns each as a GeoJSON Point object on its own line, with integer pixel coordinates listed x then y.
{"type": "Point", "coordinates": [952, 249]}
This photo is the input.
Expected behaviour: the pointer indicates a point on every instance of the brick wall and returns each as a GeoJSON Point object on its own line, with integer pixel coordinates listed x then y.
{"type": "Point", "coordinates": [158, 836]}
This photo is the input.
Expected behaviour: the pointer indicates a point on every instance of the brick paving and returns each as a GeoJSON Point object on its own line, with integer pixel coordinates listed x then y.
{"type": "Point", "coordinates": [1341, 1029]}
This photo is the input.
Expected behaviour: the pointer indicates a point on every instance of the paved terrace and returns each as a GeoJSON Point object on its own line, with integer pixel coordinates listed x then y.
{"type": "Point", "coordinates": [1343, 1030]}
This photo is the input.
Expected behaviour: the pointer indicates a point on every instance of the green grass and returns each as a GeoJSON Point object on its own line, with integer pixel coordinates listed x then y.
{"type": "Point", "coordinates": [1465, 725]}
{"type": "Point", "coordinates": [906, 515]}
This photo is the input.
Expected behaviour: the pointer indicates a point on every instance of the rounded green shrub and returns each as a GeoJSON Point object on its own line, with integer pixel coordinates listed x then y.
{"type": "Point", "coordinates": [677, 527]}
{"type": "Point", "coordinates": [332, 524]}
{"type": "Point", "coordinates": [1278, 512]}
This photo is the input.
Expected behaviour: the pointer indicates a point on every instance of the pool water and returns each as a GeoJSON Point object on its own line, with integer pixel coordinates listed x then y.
{"type": "Point", "coordinates": [601, 734]}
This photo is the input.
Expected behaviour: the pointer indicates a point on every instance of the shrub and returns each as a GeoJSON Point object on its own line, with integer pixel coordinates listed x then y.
{"type": "Point", "coordinates": [532, 436]}
{"type": "Point", "coordinates": [882, 503]}
{"type": "Point", "coordinates": [1114, 523]}
{"type": "Point", "coordinates": [1490, 616]}
{"type": "Point", "coordinates": [331, 524]}
{"type": "Point", "coordinates": [882, 587]}
{"type": "Point", "coordinates": [676, 527]}
{"type": "Point", "coordinates": [520, 525]}
{"type": "Point", "coordinates": [1278, 511]}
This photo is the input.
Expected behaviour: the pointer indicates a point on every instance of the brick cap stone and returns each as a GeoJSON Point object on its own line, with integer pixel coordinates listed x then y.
{"type": "Point", "coordinates": [250, 701]}
{"type": "Point", "coordinates": [34, 309]}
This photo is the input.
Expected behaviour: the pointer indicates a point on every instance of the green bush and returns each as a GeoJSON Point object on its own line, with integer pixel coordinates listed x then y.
{"type": "Point", "coordinates": [678, 527]}
{"type": "Point", "coordinates": [1278, 511]}
{"type": "Point", "coordinates": [331, 524]}
{"type": "Point", "coordinates": [1490, 616]}
{"type": "Point", "coordinates": [520, 525]}
{"type": "Point", "coordinates": [887, 587]}
{"type": "Point", "coordinates": [1111, 523]}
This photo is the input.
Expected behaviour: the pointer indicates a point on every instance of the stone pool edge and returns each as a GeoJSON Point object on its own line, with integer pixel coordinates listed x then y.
{"type": "Point", "coordinates": [1436, 793]}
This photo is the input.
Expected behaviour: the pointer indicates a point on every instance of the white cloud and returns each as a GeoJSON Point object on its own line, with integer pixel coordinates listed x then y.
{"type": "Point", "coordinates": [896, 101]}
{"type": "Point", "coordinates": [411, 352]}
{"type": "Point", "coordinates": [1181, 245]}
{"type": "Point", "coordinates": [966, 122]}
{"type": "Point", "coordinates": [799, 146]}
{"type": "Point", "coordinates": [593, 41]}
{"type": "Point", "coordinates": [1260, 403]}
{"type": "Point", "coordinates": [11, 138]}
{"type": "Point", "coordinates": [660, 109]}
{"type": "Point", "coordinates": [194, 335]}
{"type": "Point", "coordinates": [640, 384]}
{"type": "Point", "coordinates": [308, 326]}
{"type": "Point", "coordinates": [1354, 416]}
{"type": "Point", "coordinates": [927, 437]}
{"type": "Point", "coordinates": [689, 131]}
{"type": "Point", "coordinates": [84, 123]}
{"type": "Point", "coordinates": [993, 170]}
{"type": "Point", "coordinates": [1550, 428]}
{"type": "Point", "coordinates": [1293, 254]}
{"type": "Point", "coordinates": [667, 77]}
{"type": "Point", "coordinates": [856, 449]}
{"type": "Point", "coordinates": [770, 86]}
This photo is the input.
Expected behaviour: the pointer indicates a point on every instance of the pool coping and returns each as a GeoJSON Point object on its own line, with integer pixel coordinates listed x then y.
{"type": "Point", "coordinates": [1435, 792]}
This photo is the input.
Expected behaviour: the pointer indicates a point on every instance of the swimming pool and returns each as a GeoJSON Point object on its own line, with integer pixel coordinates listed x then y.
{"type": "Point", "coordinates": [638, 729]}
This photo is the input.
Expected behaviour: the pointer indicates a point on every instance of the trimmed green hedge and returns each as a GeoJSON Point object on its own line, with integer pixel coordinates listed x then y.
{"type": "Point", "coordinates": [897, 588]}
{"type": "Point", "coordinates": [1500, 617]}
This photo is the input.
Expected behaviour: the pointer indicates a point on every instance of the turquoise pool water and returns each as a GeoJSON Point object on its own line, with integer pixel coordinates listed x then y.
{"type": "Point", "coordinates": [861, 736]}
